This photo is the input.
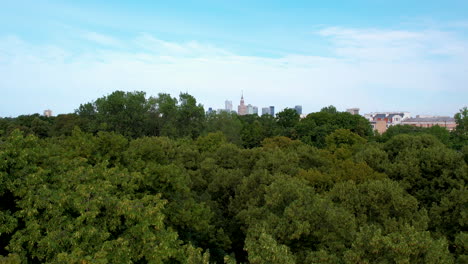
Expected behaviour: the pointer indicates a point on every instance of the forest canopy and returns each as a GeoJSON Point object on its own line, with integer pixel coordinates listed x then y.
{"type": "Point", "coordinates": [134, 179]}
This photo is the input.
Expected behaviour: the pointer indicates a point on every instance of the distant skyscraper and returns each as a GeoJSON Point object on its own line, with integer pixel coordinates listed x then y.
{"type": "Point", "coordinates": [242, 108]}
{"type": "Point", "coordinates": [250, 109]}
{"type": "Point", "coordinates": [228, 106]}
{"type": "Point", "coordinates": [298, 109]}
{"type": "Point", "coordinates": [210, 110]}
{"type": "Point", "coordinates": [48, 113]}
{"type": "Point", "coordinates": [272, 110]}
{"type": "Point", "coordinates": [265, 111]}
{"type": "Point", "coordinates": [255, 110]}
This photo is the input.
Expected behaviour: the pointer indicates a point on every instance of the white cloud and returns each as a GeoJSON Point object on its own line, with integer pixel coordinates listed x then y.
{"type": "Point", "coordinates": [393, 45]}
{"type": "Point", "coordinates": [102, 39]}
{"type": "Point", "coordinates": [154, 45]}
{"type": "Point", "coordinates": [372, 69]}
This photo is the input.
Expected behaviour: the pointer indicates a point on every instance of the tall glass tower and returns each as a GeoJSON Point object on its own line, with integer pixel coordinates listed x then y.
{"type": "Point", "coordinates": [298, 109]}
{"type": "Point", "coordinates": [228, 106]}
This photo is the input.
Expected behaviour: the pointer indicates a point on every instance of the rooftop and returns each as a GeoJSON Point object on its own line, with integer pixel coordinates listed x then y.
{"type": "Point", "coordinates": [431, 119]}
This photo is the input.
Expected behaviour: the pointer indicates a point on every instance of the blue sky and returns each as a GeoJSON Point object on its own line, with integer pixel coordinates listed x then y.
{"type": "Point", "coordinates": [376, 55]}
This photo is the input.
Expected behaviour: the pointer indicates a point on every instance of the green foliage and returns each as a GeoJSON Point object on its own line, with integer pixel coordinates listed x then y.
{"type": "Point", "coordinates": [133, 115]}
{"type": "Point", "coordinates": [401, 129]}
{"type": "Point", "coordinates": [252, 134]}
{"type": "Point", "coordinates": [461, 118]}
{"type": "Point", "coordinates": [280, 142]}
{"type": "Point", "coordinates": [262, 248]}
{"type": "Point", "coordinates": [123, 112]}
{"type": "Point", "coordinates": [343, 138]}
{"type": "Point", "coordinates": [425, 167]}
{"type": "Point", "coordinates": [464, 151]}
{"type": "Point", "coordinates": [323, 123]}
{"type": "Point", "coordinates": [404, 143]}
{"type": "Point", "coordinates": [329, 109]}
{"type": "Point", "coordinates": [460, 135]}
{"type": "Point", "coordinates": [449, 218]}
{"type": "Point", "coordinates": [406, 246]}
{"type": "Point", "coordinates": [130, 179]}
{"type": "Point", "coordinates": [41, 126]}
{"type": "Point", "coordinates": [461, 247]}
{"type": "Point", "coordinates": [190, 117]}
{"type": "Point", "coordinates": [287, 121]}
{"type": "Point", "coordinates": [210, 142]}
{"type": "Point", "coordinates": [10, 259]}
{"type": "Point", "coordinates": [306, 131]}
{"type": "Point", "coordinates": [297, 219]}
{"type": "Point", "coordinates": [227, 123]}
{"type": "Point", "coordinates": [68, 210]}
{"type": "Point", "coordinates": [64, 124]}
{"type": "Point", "coordinates": [381, 203]}
{"type": "Point", "coordinates": [374, 156]}
{"type": "Point", "coordinates": [441, 133]}
{"type": "Point", "coordinates": [160, 150]}
{"type": "Point", "coordinates": [165, 115]}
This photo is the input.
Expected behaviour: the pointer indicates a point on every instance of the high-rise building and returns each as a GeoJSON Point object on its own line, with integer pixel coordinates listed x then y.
{"type": "Point", "coordinates": [250, 109]}
{"type": "Point", "coordinates": [265, 111]}
{"type": "Point", "coordinates": [298, 109]}
{"type": "Point", "coordinates": [48, 113]}
{"type": "Point", "coordinates": [272, 110]}
{"type": "Point", "coordinates": [242, 108]}
{"type": "Point", "coordinates": [255, 110]}
{"type": "Point", "coordinates": [228, 106]}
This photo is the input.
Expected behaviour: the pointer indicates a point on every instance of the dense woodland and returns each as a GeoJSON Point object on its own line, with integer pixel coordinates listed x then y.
{"type": "Point", "coordinates": [134, 179]}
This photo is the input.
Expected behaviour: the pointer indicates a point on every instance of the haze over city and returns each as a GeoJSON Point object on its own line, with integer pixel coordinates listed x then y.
{"type": "Point", "coordinates": [375, 55]}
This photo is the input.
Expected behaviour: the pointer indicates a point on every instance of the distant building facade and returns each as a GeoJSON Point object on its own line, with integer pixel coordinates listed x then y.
{"type": "Point", "coordinates": [388, 118]}
{"type": "Point", "coordinates": [48, 113]}
{"type": "Point", "coordinates": [265, 111]}
{"type": "Point", "coordinates": [429, 121]}
{"type": "Point", "coordinates": [250, 109]}
{"type": "Point", "coordinates": [380, 126]}
{"type": "Point", "coordinates": [272, 110]}
{"type": "Point", "coordinates": [298, 109]}
{"type": "Point", "coordinates": [353, 111]}
{"type": "Point", "coordinates": [255, 110]}
{"type": "Point", "coordinates": [228, 106]}
{"type": "Point", "coordinates": [242, 108]}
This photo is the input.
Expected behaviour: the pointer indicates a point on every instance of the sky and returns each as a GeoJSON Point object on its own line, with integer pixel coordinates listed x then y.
{"type": "Point", "coordinates": [372, 54]}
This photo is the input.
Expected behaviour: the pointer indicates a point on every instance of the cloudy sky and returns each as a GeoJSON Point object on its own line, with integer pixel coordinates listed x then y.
{"type": "Point", "coordinates": [373, 54]}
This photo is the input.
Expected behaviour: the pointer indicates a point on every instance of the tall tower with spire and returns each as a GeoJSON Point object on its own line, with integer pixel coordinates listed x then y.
{"type": "Point", "coordinates": [242, 108]}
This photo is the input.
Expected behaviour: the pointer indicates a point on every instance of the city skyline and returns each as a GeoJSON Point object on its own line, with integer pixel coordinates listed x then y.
{"type": "Point", "coordinates": [375, 55]}
{"type": "Point", "coordinates": [228, 104]}
{"type": "Point", "coordinates": [260, 110]}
